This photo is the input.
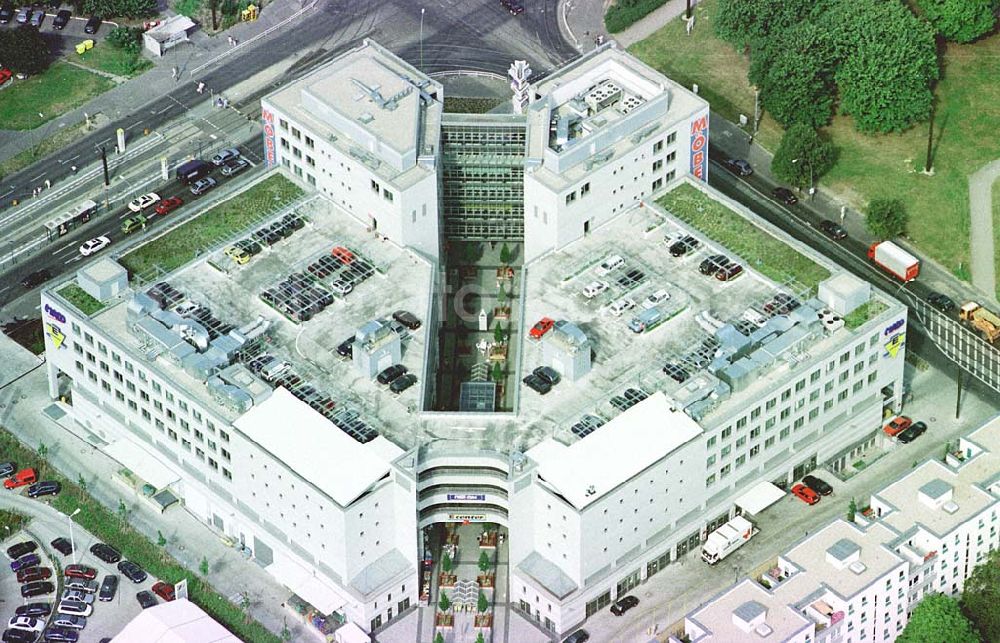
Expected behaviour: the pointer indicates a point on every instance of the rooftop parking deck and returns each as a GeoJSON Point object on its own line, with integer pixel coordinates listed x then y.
{"type": "Point", "coordinates": [385, 279]}
{"type": "Point", "coordinates": [627, 365]}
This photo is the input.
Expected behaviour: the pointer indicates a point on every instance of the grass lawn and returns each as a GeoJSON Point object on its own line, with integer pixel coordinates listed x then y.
{"type": "Point", "coordinates": [870, 166]}
{"type": "Point", "coordinates": [112, 60]}
{"type": "Point", "coordinates": [869, 310]}
{"type": "Point", "coordinates": [60, 89]}
{"type": "Point", "coordinates": [765, 253]}
{"type": "Point", "coordinates": [184, 243]}
{"type": "Point", "coordinates": [45, 147]}
{"type": "Point", "coordinates": [75, 295]}
{"type": "Point", "coordinates": [996, 233]}
{"type": "Point", "coordinates": [113, 528]}
{"type": "Point", "coordinates": [11, 521]}
{"type": "Point", "coordinates": [462, 105]}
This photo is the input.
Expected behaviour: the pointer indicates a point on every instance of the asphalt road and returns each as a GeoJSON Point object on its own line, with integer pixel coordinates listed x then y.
{"type": "Point", "coordinates": [477, 35]}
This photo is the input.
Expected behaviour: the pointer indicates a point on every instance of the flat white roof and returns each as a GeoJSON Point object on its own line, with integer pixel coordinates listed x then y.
{"type": "Point", "coordinates": [178, 621]}
{"type": "Point", "coordinates": [615, 452]}
{"type": "Point", "coordinates": [312, 446]}
{"type": "Point", "coordinates": [142, 463]}
{"type": "Point", "coordinates": [759, 497]}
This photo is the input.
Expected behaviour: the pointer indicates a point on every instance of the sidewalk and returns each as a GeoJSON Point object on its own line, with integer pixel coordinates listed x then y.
{"type": "Point", "coordinates": [27, 411]}
{"type": "Point", "coordinates": [192, 60]}
{"type": "Point", "coordinates": [581, 21]}
{"type": "Point", "coordinates": [982, 252]}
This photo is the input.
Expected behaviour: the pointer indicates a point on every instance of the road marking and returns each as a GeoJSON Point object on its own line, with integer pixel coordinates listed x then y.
{"type": "Point", "coordinates": [133, 125]}
{"type": "Point", "coordinates": [37, 177]}
{"type": "Point", "coordinates": [6, 193]}
{"type": "Point", "coordinates": [76, 258]}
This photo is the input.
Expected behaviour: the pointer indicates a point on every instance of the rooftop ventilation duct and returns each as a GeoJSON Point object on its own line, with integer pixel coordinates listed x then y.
{"type": "Point", "coordinates": [229, 396]}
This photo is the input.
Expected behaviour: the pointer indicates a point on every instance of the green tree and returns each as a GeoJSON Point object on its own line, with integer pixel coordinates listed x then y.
{"type": "Point", "coordinates": [245, 605]}
{"type": "Point", "coordinates": [439, 638]}
{"type": "Point", "coordinates": [888, 62]}
{"type": "Point", "coordinates": [501, 295]}
{"type": "Point", "coordinates": [886, 218]}
{"type": "Point", "coordinates": [794, 73]}
{"type": "Point", "coordinates": [81, 482]}
{"type": "Point", "coordinates": [286, 634]}
{"type": "Point", "coordinates": [852, 510]}
{"type": "Point", "coordinates": [482, 604]}
{"type": "Point", "coordinates": [480, 638]}
{"type": "Point", "coordinates": [982, 595]}
{"type": "Point", "coordinates": [446, 563]}
{"type": "Point", "coordinates": [747, 23]}
{"type": "Point", "coordinates": [484, 562]}
{"type": "Point", "coordinates": [123, 8]}
{"type": "Point", "coordinates": [803, 156]}
{"type": "Point", "coordinates": [160, 539]}
{"type": "Point", "coordinates": [497, 372]}
{"type": "Point", "coordinates": [42, 450]}
{"type": "Point", "coordinates": [960, 20]}
{"type": "Point", "coordinates": [24, 51]}
{"type": "Point", "coordinates": [505, 254]}
{"type": "Point", "coordinates": [938, 618]}
{"type": "Point", "coordinates": [498, 333]}
{"type": "Point", "coordinates": [122, 511]}
{"type": "Point", "coordinates": [203, 566]}
{"type": "Point", "coordinates": [445, 603]}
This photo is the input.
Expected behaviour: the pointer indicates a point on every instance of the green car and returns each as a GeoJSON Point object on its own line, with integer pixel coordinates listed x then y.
{"type": "Point", "coordinates": [132, 224]}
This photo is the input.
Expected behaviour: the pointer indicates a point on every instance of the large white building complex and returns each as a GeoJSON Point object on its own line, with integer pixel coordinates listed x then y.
{"type": "Point", "coordinates": [245, 394]}
{"type": "Point", "coordinates": [848, 583]}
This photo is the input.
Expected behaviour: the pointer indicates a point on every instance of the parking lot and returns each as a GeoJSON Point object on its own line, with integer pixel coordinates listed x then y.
{"type": "Point", "coordinates": [628, 365]}
{"type": "Point", "coordinates": [108, 617]}
{"type": "Point", "coordinates": [74, 29]}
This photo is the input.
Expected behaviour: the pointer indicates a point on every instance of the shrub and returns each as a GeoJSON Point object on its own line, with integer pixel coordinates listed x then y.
{"type": "Point", "coordinates": [625, 13]}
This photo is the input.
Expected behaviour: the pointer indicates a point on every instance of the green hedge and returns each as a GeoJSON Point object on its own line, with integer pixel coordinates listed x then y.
{"type": "Point", "coordinates": [112, 529]}
{"type": "Point", "coordinates": [624, 13]}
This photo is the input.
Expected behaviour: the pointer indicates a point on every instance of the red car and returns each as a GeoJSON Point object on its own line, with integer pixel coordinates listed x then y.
{"type": "Point", "coordinates": [5, 75]}
{"type": "Point", "coordinates": [541, 327]}
{"type": "Point", "coordinates": [345, 256]}
{"type": "Point", "coordinates": [164, 590]}
{"type": "Point", "coordinates": [31, 574]}
{"type": "Point", "coordinates": [168, 205]}
{"type": "Point", "coordinates": [80, 571]}
{"type": "Point", "coordinates": [21, 478]}
{"type": "Point", "coordinates": [805, 494]}
{"type": "Point", "coordinates": [897, 425]}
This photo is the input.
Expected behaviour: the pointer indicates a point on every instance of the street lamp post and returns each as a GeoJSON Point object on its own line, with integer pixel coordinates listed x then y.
{"type": "Point", "coordinates": [72, 542]}
{"type": "Point", "coordinates": [421, 39]}
{"type": "Point", "coordinates": [812, 188]}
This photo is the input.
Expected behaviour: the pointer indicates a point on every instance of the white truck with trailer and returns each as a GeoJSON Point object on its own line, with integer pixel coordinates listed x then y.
{"type": "Point", "coordinates": [727, 539]}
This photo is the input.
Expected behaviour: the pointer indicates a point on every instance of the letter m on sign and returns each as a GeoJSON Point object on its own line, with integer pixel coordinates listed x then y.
{"type": "Point", "coordinates": [699, 148]}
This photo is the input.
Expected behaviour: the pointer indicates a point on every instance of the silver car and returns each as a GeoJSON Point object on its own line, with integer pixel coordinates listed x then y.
{"type": "Point", "coordinates": [227, 154]}
{"type": "Point", "coordinates": [24, 15]}
{"type": "Point", "coordinates": [201, 186]}
{"type": "Point", "coordinates": [77, 596]}
{"type": "Point", "coordinates": [232, 167]}
{"type": "Point", "coordinates": [71, 621]}
{"type": "Point", "coordinates": [36, 19]}
{"type": "Point", "coordinates": [81, 584]}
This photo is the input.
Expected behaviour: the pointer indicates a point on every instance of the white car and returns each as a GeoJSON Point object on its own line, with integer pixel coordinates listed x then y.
{"type": "Point", "coordinates": [227, 154]}
{"type": "Point", "coordinates": [655, 299]}
{"type": "Point", "coordinates": [611, 263]}
{"type": "Point", "coordinates": [594, 289]}
{"type": "Point", "coordinates": [621, 306]}
{"type": "Point", "coordinates": [70, 595]}
{"type": "Point", "coordinates": [341, 287]}
{"type": "Point", "coordinates": [28, 623]}
{"type": "Point", "coordinates": [94, 245]}
{"type": "Point", "coordinates": [141, 203]}
{"type": "Point", "coordinates": [75, 607]}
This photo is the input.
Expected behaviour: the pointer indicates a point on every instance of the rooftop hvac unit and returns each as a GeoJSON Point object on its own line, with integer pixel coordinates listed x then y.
{"type": "Point", "coordinates": [763, 630]}
{"type": "Point", "coordinates": [857, 567]}
{"type": "Point", "coordinates": [629, 103]}
{"type": "Point", "coordinates": [603, 95]}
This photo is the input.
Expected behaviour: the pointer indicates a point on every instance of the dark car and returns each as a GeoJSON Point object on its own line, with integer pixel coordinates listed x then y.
{"type": "Point", "coordinates": [62, 634]}
{"type": "Point", "coordinates": [548, 374]}
{"type": "Point", "coordinates": [346, 347]}
{"type": "Point", "coordinates": [107, 553]}
{"type": "Point", "coordinates": [77, 570]}
{"type": "Point", "coordinates": [785, 195]}
{"type": "Point", "coordinates": [7, 469]}
{"type": "Point", "coordinates": [14, 635]}
{"type": "Point", "coordinates": [249, 245]}
{"type": "Point", "coordinates": [36, 278]}
{"type": "Point", "coordinates": [27, 560]}
{"type": "Point", "coordinates": [62, 546]}
{"type": "Point", "coordinates": [131, 571]}
{"type": "Point", "coordinates": [37, 589]}
{"type": "Point", "coordinates": [730, 272]}
{"type": "Point", "coordinates": [34, 609]}
{"type": "Point", "coordinates": [832, 230]}
{"type": "Point", "coordinates": [537, 384]}
{"type": "Point", "coordinates": [623, 605]}
{"type": "Point", "coordinates": [713, 264]}
{"type": "Point", "coordinates": [781, 304]}
{"type": "Point", "coordinates": [941, 301]}
{"type": "Point", "coordinates": [738, 167]}
{"type": "Point", "coordinates": [20, 549]}
{"type": "Point", "coordinates": [407, 319]}
{"type": "Point", "coordinates": [6, 14]}
{"type": "Point", "coordinates": [818, 485]}
{"type": "Point", "coordinates": [31, 574]}
{"type": "Point", "coordinates": [164, 590]}
{"type": "Point", "coordinates": [631, 278]}
{"type": "Point", "coordinates": [61, 19]}
{"type": "Point", "coordinates": [579, 636]}
{"type": "Point", "coordinates": [93, 24]}
{"type": "Point", "coordinates": [683, 246]}
{"type": "Point", "coordinates": [44, 488]}
{"type": "Point", "coordinates": [676, 373]}
{"type": "Point", "coordinates": [109, 587]}
{"type": "Point", "coordinates": [911, 433]}
{"type": "Point", "coordinates": [146, 599]}
{"type": "Point", "coordinates": [403, 382]}
{"type": "Point", "coordinates": [391, 373]}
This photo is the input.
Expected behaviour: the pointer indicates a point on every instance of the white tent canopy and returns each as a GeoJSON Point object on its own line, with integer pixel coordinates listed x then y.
{"type": "Point", "coordinates": [760, 496]}
{"type": "Point", "coordinates": [141, 463]}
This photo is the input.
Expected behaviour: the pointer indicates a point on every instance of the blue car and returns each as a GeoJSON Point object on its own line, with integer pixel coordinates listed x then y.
{"type": "Point", "coordinates": [28, 560]}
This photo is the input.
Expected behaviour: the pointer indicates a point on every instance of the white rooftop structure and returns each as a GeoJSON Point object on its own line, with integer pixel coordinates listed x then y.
{"type": "Point", "coordinates": [629, 443]}
{"type": "Point", "coordinates": [312, 446]}
{"type": "Point", "coordinates": [178, 621]}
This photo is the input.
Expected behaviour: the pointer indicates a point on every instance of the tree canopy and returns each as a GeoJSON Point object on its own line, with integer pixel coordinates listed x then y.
{"type": "Point", "coordinates": [960, 20]}
{"type": "Point", "coordinates": [23, 50]}
{"type": "Point", "coordinates": [803, 156]}
{"type": "Point", "coordinates": [937, 618]}
{"type": "Point", "coordinates": [122, 8]}
{"type": "Point", "coordinates": [746, 23]}
{"type": "Point", "coordinates": [886, 218]}
{"type": "Point", "coordinates": [981, 597]}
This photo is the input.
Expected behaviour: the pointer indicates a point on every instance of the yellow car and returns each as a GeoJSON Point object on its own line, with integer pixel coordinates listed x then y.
{"type": "Point", "coordinates": [238, 255]}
